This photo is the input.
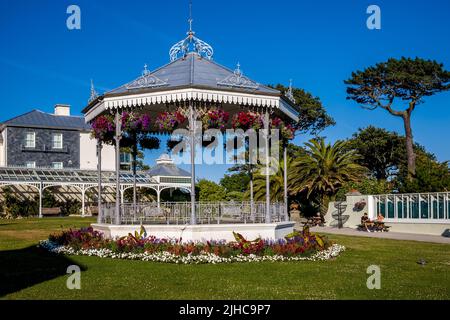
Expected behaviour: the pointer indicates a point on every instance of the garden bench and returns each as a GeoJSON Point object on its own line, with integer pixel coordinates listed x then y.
{"type": "Point", "coordinates": [51, 211]}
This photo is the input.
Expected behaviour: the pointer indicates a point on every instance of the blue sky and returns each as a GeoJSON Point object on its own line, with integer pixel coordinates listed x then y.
{"type": "Point", "coordinates": [316, 43]}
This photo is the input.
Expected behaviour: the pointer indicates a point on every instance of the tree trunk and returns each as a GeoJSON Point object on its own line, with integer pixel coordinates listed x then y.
{"type": "Point", "coordinates": [409, 146]}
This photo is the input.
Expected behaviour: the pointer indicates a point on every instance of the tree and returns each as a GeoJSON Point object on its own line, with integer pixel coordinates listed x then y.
{"type": "Point", "coordinates": [210, 191]}
{"type": "Point", "coordinates": [235, 185]}
{"type": "Point", "coordinates": [431, 176]}
{"type": "Point", "coordinates": [313, 117]}
{"type": "Point", "coordinates": [395, 81]}
{"type": "Point", "coordinates": [323, 169]}
{"type": "Point", "coordinates": [381, 151]}
{"type": "Point", "coordinates": [276, 184]}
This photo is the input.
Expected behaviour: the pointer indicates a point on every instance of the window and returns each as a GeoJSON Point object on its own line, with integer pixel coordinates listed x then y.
{"type": "Point", "coordinates": [31, 164]}
{"type": "Point", "coordinates": [57, 165]}
{"type": "Point", "coordinates": [125, 158]}
{"type": "Point", "coordinates": [30, 140]}
{"type": "Point", "coordinates": [57, 141]}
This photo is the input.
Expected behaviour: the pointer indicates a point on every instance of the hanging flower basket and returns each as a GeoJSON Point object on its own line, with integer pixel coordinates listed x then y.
{"type": "Point", "coordinates": [287, 131]}
{"type": "Point", "coordinates": [247, 120]}
{"type": "Point", "coordinates": [215, 119]}
{"type": "Point", "coordinates": [136, 123]}
{"type": "Point", "coordinates": [103, 129]}
{"type": "Point", "coordinates": [169, 121]}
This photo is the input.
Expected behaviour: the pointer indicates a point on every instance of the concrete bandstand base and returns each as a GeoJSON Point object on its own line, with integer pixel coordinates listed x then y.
{"type": "Point", "coordinates": [203, 232]}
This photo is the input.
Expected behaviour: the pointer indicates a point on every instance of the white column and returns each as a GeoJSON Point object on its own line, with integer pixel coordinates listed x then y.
{"type": "Point", "coordinates": [158, 198]}
{"type": "Point", "coordinates": [267, 129]}
{"type": "Point", "coordinates": [117, 138]}
{"type": "Point", "coordinates": [83, 206]}
{"type": "Point", "coordinates": [192, 130]}
{"type": "Point", "coordinates": [99, 190]}
{"type": "Point", "coordinates": [285, 181]}
{"type": "Point", "coordinates": [40, 200]}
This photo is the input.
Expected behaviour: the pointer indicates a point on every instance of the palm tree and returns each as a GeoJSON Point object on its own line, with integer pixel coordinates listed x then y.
{"type": "Point", "coordinates": [276, 183]}
{"type": "Point", "coordinates": [323, 169]}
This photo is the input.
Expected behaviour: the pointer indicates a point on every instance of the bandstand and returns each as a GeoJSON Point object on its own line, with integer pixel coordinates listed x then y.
{"type": "Point", "coordinates": [192, 83]}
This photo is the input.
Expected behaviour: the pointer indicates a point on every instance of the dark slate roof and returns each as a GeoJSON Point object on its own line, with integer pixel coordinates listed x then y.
{"type": "Point", "coordinates": [40, 119]}
{"type": "Point", "coordinates": [192, 71]}
{"type": "Point", "coordinates": [168, 170]}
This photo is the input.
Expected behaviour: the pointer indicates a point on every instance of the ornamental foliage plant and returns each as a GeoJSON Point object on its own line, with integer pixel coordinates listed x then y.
{"type": "Point", "coordinates": [298, 246]}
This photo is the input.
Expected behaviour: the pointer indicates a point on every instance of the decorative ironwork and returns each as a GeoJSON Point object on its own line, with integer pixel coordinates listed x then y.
{"type": "Point", "coordinates": [147, 80]}
{"type": "Point", "coordinates": [238, 80]}
{"type": "Point", "coordinates": [94, 93]}
{"type": "Point", "coordinates": [289, 94]}
{"type": "Point", "coordinates": [191, 44]}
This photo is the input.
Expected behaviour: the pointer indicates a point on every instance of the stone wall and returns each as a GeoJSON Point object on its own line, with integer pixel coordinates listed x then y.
{"type": "Point", "coordinates": [43, 154]}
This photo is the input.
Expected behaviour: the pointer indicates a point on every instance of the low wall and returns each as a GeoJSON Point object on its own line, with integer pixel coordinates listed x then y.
{"type": "Point", "coordinates": [351, 218]}
{"type": "Point", "coordinates": [202, 232]}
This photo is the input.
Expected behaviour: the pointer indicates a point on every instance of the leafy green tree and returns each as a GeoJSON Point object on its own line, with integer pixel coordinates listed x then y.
{"type": "Point", "coordinates": [235, 185]}
{"type": "Point", "coordinates": [313, 117]}
{"type": "Point", "coordinates": [324, 169]}
{"type": "Point", "coordinates": [381, 151]}
{"type": "Point", "coordinates": [399, 81]}
{"type": "Point", "coordinates": [210, 191]}
{"type": "Point", "coordinates": [431, 176]}
{"type": "Point", "coordinates": [366, 186]}
{"type": "Point", "coordinates": [276, 184]}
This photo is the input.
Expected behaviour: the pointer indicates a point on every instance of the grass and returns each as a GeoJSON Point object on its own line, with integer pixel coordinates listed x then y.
{"type": "Point", "coordinates": [29, 273]}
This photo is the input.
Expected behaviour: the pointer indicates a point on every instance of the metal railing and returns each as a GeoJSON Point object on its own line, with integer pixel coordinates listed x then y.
{"type": "Point", "coordinates": [414, 207]}
{"type": "Point", "coordinates": [179, 213]}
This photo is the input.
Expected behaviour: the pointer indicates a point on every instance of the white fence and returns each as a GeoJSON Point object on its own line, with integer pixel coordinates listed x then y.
{"type": "Point", "coordinates": [206, 213]}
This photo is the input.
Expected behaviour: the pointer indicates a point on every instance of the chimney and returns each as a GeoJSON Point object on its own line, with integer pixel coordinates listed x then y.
{"type": "Point", "coordinates": [62, 110]}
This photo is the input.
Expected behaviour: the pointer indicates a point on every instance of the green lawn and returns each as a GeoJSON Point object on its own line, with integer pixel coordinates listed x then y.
{"type": "Point", "coordinates": [28, 273]}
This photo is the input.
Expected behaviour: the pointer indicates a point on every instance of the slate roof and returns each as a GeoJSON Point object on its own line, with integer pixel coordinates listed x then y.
{"type": "Point", "coordinates": [193, 71]}
{"type": "Point", "coordinates": [40, 119]}
{"type": "Point", "coordinates": [168, 170]}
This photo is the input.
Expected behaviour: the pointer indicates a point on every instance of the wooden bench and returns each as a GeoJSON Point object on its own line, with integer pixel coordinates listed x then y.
{"type": "Point", "coordinates": [51, 211]}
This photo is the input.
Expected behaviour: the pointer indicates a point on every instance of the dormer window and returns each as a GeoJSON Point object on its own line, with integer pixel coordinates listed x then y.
{"type": "Point", "coordinates": [57, 141]}
{"type": "Point", "coordinates": [30, 139]}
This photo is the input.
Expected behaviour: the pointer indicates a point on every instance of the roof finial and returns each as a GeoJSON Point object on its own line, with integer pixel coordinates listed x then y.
{"type": "Point", "coordinates": [190, 17]}
{"type": "Point", "coordinates": [94, 93]}
{"type": "Point", "coordinates": [145, 72]}
{"type": "Point", "coordinates": [290, 93]}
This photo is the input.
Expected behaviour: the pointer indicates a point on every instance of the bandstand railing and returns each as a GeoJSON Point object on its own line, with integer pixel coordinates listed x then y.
{"type": "Point", "coordinates": [179, 213]}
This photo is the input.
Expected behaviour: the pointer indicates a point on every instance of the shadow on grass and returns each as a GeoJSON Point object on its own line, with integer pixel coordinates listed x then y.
{"type": "Point", "coordinates": [23, 268]}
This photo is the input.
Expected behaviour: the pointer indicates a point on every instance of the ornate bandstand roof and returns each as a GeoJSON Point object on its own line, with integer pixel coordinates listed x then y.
{"type": "Point", "coordinates": [191, 75]}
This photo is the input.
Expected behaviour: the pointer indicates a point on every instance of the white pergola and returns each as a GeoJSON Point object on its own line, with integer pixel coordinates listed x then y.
{"type": "Point", "coordinates": [78, 182]}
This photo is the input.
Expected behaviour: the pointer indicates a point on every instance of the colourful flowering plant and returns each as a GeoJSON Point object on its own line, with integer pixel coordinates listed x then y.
{"type": "Point", "coordinates": [296, 244]}
{"type": "Point", "coordinates": [287, 130]}
{"type": "Point", "coordinates": [132, 122]}
{"type": "Point", "coordinates": [103, 129]}
{"type": "Point", "coordinates": [169, 121]}
{"type": "Point", "coordinates": [247, 120]}
{"type": "Point", "coordinates": [215, 119]}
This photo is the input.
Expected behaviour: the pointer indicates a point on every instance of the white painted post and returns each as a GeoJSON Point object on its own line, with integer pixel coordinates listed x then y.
{"type": "Point", "coordinates": [40, 200]}
{"type": "Point", "coordinates": [192, 131]}
{"type": "Point", "coordinates": [99, 190]}
{"type": "Point", "coordinates": [158, 198]}
{"type": "Point", "coordinates": [266, 127]}
{"type": "Point", "coordinates": [83, 191]}
{"type": "Point", "coordinates": [285, 182]}
{"type": "Point", "coordinates": [117, 138]}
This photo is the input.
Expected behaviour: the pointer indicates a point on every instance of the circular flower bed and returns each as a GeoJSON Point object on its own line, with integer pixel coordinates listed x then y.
{"type": "Point", "coordinates": [298, 246]}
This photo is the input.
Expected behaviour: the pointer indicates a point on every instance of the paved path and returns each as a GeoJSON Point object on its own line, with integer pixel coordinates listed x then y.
{"type": "Point", "coordinates": [383, 235]}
